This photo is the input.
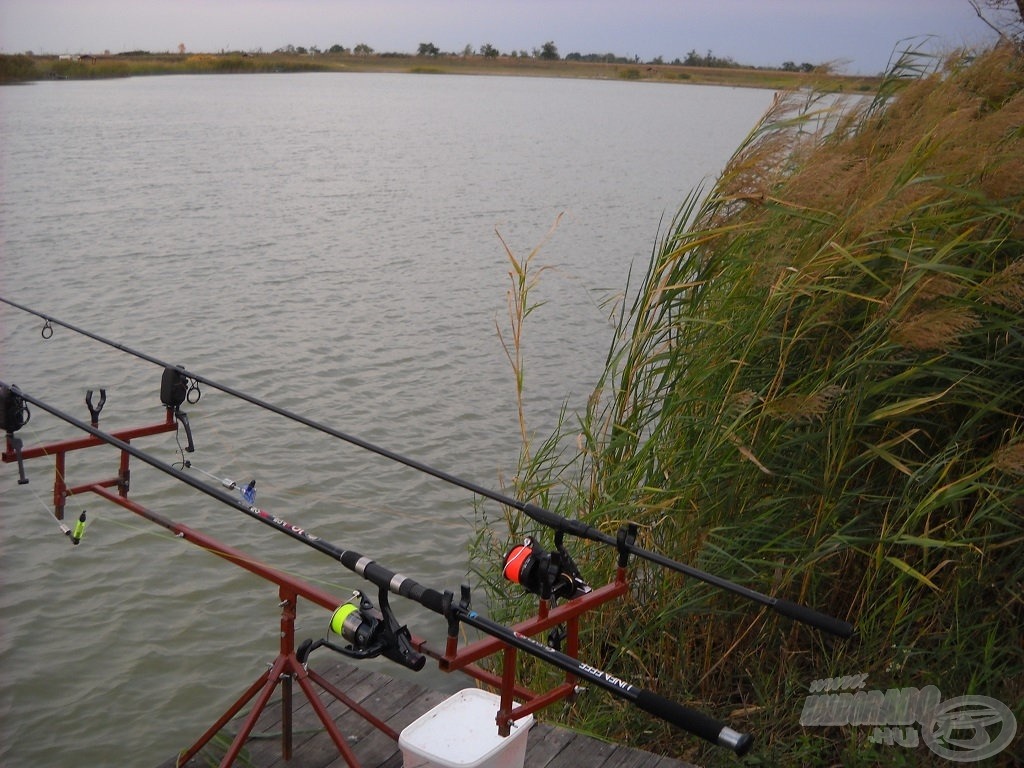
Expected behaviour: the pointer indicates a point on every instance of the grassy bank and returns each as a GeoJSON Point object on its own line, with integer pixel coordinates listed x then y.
{"type": "Point", "coordinates": [818, 392]}
{"type": "Point", "coordinates": [27, 68]}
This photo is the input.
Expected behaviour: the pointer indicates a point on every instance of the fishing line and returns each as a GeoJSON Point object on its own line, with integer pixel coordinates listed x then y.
{"type": "Point", "coordinates": [395, 643]}
{"type": "Point", "coordinates": [561, 525]}
{"type": "Point", "coordinates": [359, 442]}
{"type": "Point", "coordinates": [49, 513]}
{"type": "Point", "coordinates": [332, 500]}
{"type": "Point", "coordinates": [181, 450]}
{"type": "Point", "coordinates": [324, 497]}
{"type": "Point", "coordinates": [74, 532]}
{"type": "Point", "coordinates": [149, 530]}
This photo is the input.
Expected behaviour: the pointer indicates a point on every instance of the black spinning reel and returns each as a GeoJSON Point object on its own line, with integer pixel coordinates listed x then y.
{"type": "Point", "coordinates": [369, 632]}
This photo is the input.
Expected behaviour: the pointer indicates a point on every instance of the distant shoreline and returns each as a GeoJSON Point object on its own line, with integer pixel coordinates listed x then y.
{"type": "Point", "coordinates": [25, 68]}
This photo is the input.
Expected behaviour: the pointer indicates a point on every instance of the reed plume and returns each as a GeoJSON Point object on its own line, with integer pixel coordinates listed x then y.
{"type": "Point", "coordinates": [818, 392]}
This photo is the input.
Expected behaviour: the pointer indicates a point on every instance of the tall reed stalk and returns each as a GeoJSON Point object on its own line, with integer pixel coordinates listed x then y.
{"type": "Point", "coordinates": [819, 392]}
{"type": "Point", "coordinates": [523, 276]}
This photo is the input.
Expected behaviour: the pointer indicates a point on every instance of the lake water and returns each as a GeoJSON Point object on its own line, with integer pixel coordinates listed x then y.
{"type": "Point", "coordinates": [329, 243]}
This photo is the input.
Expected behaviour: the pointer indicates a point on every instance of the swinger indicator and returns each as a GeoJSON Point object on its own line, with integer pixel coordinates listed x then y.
{"type": "Point", "coordinates": [78, 532]}
{"type": "Point", "coordinates": [247, 492]}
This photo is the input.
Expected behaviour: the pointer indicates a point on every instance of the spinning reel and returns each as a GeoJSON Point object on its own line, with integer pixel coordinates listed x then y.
{"type": "Point", "coordinates": [369, 632]}
{"type": "Point", "coordinates": [550, 575]}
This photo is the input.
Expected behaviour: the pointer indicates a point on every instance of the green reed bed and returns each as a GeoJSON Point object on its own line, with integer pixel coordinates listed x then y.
{"type": "Point", "coordinates": [819, 393]}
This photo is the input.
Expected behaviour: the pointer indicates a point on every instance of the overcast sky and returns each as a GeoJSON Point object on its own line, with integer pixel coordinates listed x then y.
{"type": "Point", "coordinates": [858, 34]}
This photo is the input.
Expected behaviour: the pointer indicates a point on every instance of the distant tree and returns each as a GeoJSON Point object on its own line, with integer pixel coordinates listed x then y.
{"type": "Point", "coordinates": [336, 49]}
{"type": "Point", "coordinates": [548, 52]}
{"type": "Point", "coordinates": [807, 67]}
{"type": "Point", "coordinates": [694, 59]}
{"type": "Point", "coordinates": [181, 49]}
{"type": "Point", "coordinates": [488, 51]}
{"type": "Point", "coordinates": [789, 66]}
{"type": "Point", "coordinates": [362, 50]}
{"type": "Point", "coordinates": [468, 50]}
{"type": "Point", "coordinates": [428, 49]}
{"type": "Point", "coordinates": [1007, 17]}
{"type": "Point", "coordinates": [601, 58]}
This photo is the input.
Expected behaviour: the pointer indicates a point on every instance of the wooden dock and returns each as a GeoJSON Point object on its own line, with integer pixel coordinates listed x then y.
{"type": "Point", "coordinates": [397, 703]}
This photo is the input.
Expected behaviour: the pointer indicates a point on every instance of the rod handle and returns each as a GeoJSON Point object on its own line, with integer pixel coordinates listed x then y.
{"type": "Point", "coordinates": [695, 722]}
{"type": "Point", "coordinates": [802, 613]}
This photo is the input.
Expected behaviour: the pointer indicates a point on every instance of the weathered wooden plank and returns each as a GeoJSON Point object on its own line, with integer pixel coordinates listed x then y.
{"type": "Point", "coordinates": [359, 684]}
{"type": "Point", "coordinates": [398, 703]}
{"type": "Point", "coordinates": [377, 749]}
{"type": "Point", "coordinates": [585, 751]}
{"type": "Point", "coordinates": [545, 742]}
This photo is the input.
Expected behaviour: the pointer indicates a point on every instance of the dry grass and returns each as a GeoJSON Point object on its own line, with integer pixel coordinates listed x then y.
{"type": "Point", "coordinates": [19, 67]}
{"type": "Point", "coordinates": [819, 393]}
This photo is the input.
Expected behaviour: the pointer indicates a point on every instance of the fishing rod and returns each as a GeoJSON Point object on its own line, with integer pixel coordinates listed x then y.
{"type": "Point", "coordinates": [537, 513]}
{"type": "Point", "coordinates": [442, 603]}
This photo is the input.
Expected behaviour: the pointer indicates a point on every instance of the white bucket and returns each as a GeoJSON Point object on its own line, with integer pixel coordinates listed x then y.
{"type": "Point", "coordinates": [461, 732]}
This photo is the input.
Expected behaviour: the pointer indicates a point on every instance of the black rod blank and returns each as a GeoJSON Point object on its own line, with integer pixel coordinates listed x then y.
{"type": "Point", "coordinates": [684, 717]}
{"type": "Point", "coordinates": [543, 516]}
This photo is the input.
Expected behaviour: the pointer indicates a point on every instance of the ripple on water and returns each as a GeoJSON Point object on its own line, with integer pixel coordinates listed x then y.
{"type": "Point", "coordinates": [329, 244]}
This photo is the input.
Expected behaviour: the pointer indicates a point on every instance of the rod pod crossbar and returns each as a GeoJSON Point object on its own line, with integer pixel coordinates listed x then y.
{"type": "Point", "coordinates": [286, 669]}
{"type": "Point", "coordinates": [684, 717]}
{"type": "Point", "coordinates": [545, 517]}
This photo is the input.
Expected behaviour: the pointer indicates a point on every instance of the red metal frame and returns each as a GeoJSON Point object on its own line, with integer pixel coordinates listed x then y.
{"type": "Point", "coordinates": [58, 450]}
{"type": "Point", "coordinates": [463, 660]}
{"type": "Point", "coordinates": [286, 667]}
